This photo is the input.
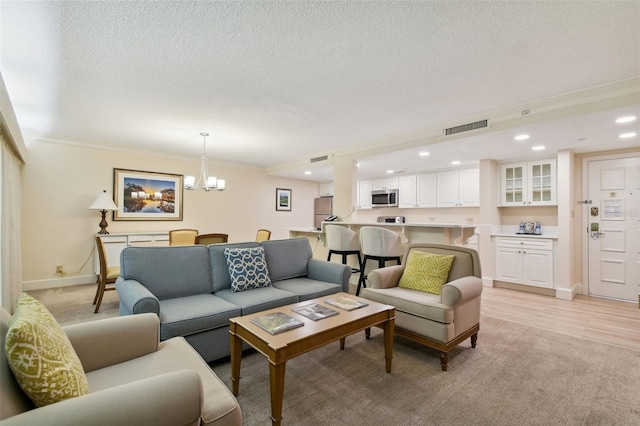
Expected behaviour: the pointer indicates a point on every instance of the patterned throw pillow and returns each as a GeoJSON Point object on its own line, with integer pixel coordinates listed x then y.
{"type": "Point", "coordinates": [41, 357]}
{"type": "Point", "coordinates": [426, 272]}
{"type": "Point", "coordinates": [247, 268]}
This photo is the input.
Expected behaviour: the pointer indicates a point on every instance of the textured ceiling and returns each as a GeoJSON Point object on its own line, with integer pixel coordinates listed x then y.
{"type": "Point", "coordinates": [276, 83]}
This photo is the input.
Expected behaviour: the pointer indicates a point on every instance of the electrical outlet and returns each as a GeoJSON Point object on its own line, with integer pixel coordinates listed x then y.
{"type": "Point", "coordinates": [59, 269]}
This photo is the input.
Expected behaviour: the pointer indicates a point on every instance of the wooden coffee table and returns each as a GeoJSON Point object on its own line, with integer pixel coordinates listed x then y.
{"type": "Point", "coordinates": [278, 348]}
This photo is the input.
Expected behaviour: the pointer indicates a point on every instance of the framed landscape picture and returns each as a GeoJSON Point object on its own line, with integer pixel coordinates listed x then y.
{"type": "Point", "coordinates": [147, 195]}
{"type": "Point", "coordinates": [283, 199]}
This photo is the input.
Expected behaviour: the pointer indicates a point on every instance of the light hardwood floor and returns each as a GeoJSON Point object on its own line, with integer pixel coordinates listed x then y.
{"type": "Point", "coordinates": [600, 320]}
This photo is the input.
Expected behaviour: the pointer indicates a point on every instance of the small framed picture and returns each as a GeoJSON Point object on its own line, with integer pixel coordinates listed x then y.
{"type": "Point", "coordinates": [283, 200]}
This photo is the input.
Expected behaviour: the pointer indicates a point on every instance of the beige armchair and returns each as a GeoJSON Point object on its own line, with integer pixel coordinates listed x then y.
{"type": "Point", "coordinates": [134, 379]}
{"type": "Point", "coordinates": [438, 321]}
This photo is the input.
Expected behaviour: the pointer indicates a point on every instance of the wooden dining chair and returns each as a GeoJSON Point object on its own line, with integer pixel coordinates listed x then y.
{"type": "Point", "coordinates": [182, 237]}
{"type": "Point", "coordinates": [107, 275]}
{"type": "Point", "coordinates": [263, 235]}
{"type": "Point", "coordinates": [207, 239]}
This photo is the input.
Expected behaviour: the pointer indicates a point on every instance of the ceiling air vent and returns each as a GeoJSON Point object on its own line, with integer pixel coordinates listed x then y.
{"type": "Point", "coordinates": [316, 159]}
{"type": "Point", "coordinates": [466, 127]}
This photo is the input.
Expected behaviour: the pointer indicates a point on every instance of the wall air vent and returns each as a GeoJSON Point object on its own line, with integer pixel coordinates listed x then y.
{"type": "Point", "coordinates": [322, 158]}
{"type": "Point", "coordinates": [466, 127]}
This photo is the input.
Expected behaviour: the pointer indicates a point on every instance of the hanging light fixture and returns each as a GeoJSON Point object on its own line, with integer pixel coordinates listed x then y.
{"type": "Point", "coordinates": [208, 182]}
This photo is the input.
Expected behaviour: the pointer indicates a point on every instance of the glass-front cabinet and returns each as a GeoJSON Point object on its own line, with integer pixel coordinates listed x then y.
{"type": "Point", "coordinates": [529, 184]}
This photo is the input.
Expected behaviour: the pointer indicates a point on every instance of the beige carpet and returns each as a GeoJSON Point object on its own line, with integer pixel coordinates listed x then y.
{"type": "Point", "coordinates": [517, 375]}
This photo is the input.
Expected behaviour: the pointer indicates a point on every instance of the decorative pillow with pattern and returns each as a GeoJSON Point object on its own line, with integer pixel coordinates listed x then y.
{"type": "Point", "coordinates": [426, 272]}
{"type": "Point", "coordinates": [247, 268]}
{"type": "Point", "coordinates": [41, 357]}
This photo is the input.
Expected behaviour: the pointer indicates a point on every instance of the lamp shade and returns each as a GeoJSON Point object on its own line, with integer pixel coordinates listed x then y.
{"type": "Point", "coordinates": [103, 202]}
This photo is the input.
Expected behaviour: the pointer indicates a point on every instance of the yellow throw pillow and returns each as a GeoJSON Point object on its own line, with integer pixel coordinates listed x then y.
{"type": "Point", "coordinates": [426, 271]}
{"type": "Point", "coordinates": [41, 357]}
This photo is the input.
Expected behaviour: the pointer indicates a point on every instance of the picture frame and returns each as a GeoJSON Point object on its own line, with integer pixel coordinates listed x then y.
{"type": "Point", "coordinates": [283, 200]}
{"type": "Point", "coordinates": [142, 195]}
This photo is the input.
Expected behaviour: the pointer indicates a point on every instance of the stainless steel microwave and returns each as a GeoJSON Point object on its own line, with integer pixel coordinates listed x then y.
{"type": "Point", "coordinates": [384, 198]}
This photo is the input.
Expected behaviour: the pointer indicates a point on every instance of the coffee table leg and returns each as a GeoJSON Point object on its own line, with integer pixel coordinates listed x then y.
{"type": "Point", "coordinates": [236, 359]}
{"type": "Point", "coordinates": [389, 327]}
{"type": "Point", "coordinates": [342, 344]}
{"type": "Point", "coordinates": [276, 377]}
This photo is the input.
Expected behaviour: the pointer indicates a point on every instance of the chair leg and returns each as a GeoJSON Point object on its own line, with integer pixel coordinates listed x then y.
{"type": "Point", "coordinates": [361, 281]}
{"type": "Point", "coordinates": [474, 340]}
{"type": "Point", "coordinates": [101, 288]}
{"type": "Point", "coordinates": [329, 256]}
{"type": "Point", "coordinates": [444, 360]}
{"type": "Point", "coordinates": [95, 299]}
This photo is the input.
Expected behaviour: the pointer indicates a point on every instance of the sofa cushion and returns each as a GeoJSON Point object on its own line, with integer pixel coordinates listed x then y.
{"type": "Point", "coordinates": [426, 272]}
{"type": "Point", "coordinates": [183, 316]}
{"type": "Point", "coordinates": [247, 268]}
{"type": "Point", "coordinates": [258, 299]}
{"type": "Point", "coordinates": [307, 288]}
{"type": "Point", "coordinates": [168, 272]}
{"type": "Point", "coordinates": [41, 356]}
{"type": "Point", "coordinates": [287, 258]}
{"type": "Point", "coordinates": [218, 261]}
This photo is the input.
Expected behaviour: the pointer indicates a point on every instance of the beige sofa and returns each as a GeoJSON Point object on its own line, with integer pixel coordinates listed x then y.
{"type": "Point", "coordinates": [438, 321]}
{"type": "Point", "coordinates": [134, 379]}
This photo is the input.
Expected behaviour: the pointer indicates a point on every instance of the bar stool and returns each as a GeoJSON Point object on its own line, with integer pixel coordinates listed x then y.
{"type": "Point", "coordinates": [343, 241]}
{"type": "Point", "coordinates": [378, 244]}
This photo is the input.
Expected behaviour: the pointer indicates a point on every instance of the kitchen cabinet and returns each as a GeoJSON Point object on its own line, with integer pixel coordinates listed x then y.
{"type": "Point", "coordinates": [458, 188]}
{"type": "Point", "coordinates": [364, 194]}
{"type": "Point", "coordinates": [115, 243]}
{"type": "Point", "coordinates": [417, 191]}
{"type": "Point", "coordinates": [325, 189]}
{"type": "Point", "coordinates": [528, 184]}
{"type": "Point", "coordinates": [526, 260]}
{"type": "Point", "coordinates": [387, 183]}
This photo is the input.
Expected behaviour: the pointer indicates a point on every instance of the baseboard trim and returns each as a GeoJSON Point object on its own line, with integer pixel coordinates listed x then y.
{"type": "Point", "coordinates": [58, 282]}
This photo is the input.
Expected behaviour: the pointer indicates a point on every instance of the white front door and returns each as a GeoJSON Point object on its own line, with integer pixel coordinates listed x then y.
{"type": "Point", "coordinates": [613, 211]}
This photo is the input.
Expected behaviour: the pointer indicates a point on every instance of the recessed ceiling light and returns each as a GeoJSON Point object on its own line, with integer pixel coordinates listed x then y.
{"type": "Point", "coordinates": [455, 163]}
{"type": "Point", "coordinates": [538, 148]}
{"type": "Point", "coordinates": [628, 135]}
{"type": "Point", "coordinates": [423, 154]}
{"type": "Point", "coordinates": [627, 119]}
{"type": "Point", "coordinates": [307, 172]}
{"type": "Point", "coordinates": [389, 171]}
{"type": "Point", "coordinates": [521, 137]}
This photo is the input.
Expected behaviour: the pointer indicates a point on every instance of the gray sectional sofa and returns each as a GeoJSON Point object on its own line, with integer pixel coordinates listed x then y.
{"type": "Point", "coordinates": [189, 287]}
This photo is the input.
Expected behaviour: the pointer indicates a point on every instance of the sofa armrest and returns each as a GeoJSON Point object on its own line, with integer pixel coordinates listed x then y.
{"type": "Point", "coordinates": [385, 277]}
{"type": "Point", "coordinates": [337, 273]}
{"type": "Point", "coordinates": [461, 290]}
{"type": "Point", "coordinates": [114, 340]}
{"type": "Point", "coordinates": [136, 298]}
{"type": "Point", "coordinates": [169, 399]}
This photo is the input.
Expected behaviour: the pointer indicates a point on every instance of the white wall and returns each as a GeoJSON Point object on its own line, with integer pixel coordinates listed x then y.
{"type": "Point", "coordinates": [60, 181]}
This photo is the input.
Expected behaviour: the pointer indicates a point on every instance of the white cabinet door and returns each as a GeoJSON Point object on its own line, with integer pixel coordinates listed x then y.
{"type": "Point", "coordinates": [447, 192]}
{"type": "Point", "coordinates": [364, 194]}
{"type": "Point", "coordinates": [537, 268]}
{"type": "Point", "coordinates": [325, 189]}
{"type": "Point", "coordinates": [541, 183]}
{"type": "Point", "coordinates": [407, 192]}
{"type": "Point", "coordinates": [469, 188]}
{"type": "Point", "coordinates": [513, 192]}
{"type": "Point", "coordinates": [426, 190]}
{"type": "Point", "coordinates": [508, 264]}
{"type": "Point", "coordinates": [388, 183]}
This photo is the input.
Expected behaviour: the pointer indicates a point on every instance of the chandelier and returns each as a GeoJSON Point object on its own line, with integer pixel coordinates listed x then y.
{"type": "Point", "coordinates": [208, 182]}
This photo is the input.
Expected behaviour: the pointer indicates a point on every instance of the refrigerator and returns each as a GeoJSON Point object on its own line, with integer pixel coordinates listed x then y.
{"type": "Point", "coordinates": [322, 208]}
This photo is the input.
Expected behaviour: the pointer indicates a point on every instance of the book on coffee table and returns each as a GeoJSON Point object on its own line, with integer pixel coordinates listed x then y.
{"type": "Point", "coordinates": [277, 322]}
{"type": "Point", "coordinates": [346, 303]}
{"type": "Point", "coordinates": [315, 311]}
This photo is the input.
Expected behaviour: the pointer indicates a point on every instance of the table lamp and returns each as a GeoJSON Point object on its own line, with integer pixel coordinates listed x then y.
{"type": "Point", "coordinates": [103, 203]}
